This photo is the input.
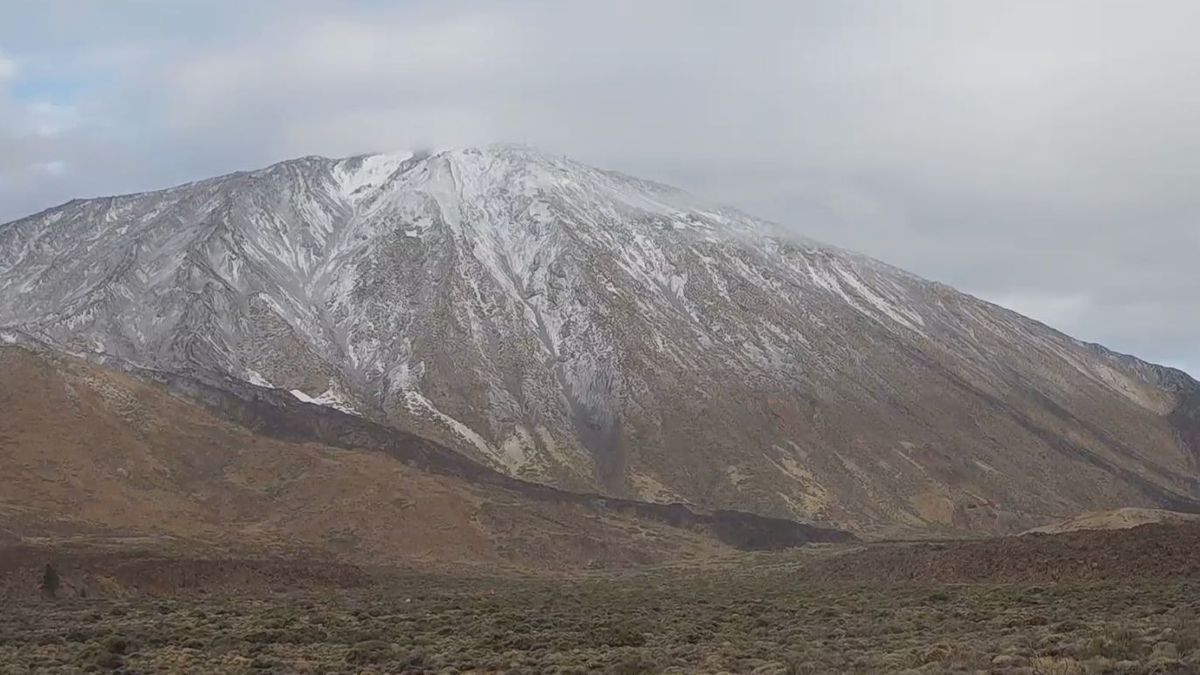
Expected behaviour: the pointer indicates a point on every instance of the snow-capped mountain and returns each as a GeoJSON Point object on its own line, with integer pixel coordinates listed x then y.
{"type": "Point", "coordinates": [596, 331]}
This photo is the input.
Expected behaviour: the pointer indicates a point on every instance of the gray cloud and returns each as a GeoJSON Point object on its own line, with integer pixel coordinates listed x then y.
{"type": "Point", "coordinates": [1042, 155]}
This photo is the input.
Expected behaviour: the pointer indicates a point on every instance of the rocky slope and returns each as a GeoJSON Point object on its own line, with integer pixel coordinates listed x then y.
{"type": "Point", "coordinates": [1118, 519]}
{"type": "Point", "coordinates": [95, 455]}
{"type": "Point", "coordinates": [594, 331]}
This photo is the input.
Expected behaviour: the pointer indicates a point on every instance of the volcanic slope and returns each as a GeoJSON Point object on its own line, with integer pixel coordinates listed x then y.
{"type": "Point", "coordinates": [92, 455]}
{"type": "Point", "coordinates": [599, 332]}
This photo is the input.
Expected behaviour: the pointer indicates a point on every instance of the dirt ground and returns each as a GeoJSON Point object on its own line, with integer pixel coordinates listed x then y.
{"type": "Point", "coordinates": [707, 622]}
{"type": "Point", "coordinates": [1114, 602]}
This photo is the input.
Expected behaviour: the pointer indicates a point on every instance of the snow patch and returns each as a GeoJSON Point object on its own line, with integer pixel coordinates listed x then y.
{"type": "Point", "coordinates": [256, 378]}
{"type": "Point", "coordinates": [416, 403]}
{"type": "Point", "coordinates": [330, 398]}
{"type": "Point", "coordinates": [900, 315]}
{"type": "Point", "coordinates": [359, 176]}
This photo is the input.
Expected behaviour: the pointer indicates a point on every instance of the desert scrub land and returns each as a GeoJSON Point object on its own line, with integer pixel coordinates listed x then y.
{"type": "Point", "coordinates": [741, 620]}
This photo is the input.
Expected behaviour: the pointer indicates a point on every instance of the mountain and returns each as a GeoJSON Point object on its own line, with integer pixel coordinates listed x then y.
{"type": "Point", "coordinates": [597, 332]}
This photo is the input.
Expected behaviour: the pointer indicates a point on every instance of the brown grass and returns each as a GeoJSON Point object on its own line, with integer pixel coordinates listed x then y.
{"type": "Point", "coordinates": [752, 619]}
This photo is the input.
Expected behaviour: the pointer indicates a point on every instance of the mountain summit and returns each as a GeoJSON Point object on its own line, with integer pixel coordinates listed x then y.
{"type": "Point", "coordinates": [595, 331]}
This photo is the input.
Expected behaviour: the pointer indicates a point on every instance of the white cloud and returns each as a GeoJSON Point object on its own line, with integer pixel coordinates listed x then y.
{"type": "Point", "coordinates": [53, 167]}
{"type": "Point", "coordinates": [1064, 310]}
{"type": "Point", "coordinates": [49, 119]}
{"type": "Point", "coordinates": [8, 68]}
{"type": "Point", "coordinates": [1043, 154]}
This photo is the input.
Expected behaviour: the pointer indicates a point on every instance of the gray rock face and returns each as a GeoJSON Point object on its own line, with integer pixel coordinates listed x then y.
{"type": "Point", "coordinates": [596, 331]}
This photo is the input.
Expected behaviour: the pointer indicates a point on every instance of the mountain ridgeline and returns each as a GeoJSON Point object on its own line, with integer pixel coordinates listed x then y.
{"type": "Point", "coordinates": [599, 333]}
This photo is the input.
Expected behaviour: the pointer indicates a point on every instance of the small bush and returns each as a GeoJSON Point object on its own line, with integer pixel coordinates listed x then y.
{"type": "Point", "coordinates": [117, 645]}
{"type": "Point", "coordinates": [50, 581]}
{"type": "Point", "coordinates": [1049, 665]}
{"type": "Point", "coordinates": [620, 635]}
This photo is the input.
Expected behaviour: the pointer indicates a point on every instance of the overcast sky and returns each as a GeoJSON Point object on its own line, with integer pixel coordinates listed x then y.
{"type": "Point", "coordinates": [1043, 155]}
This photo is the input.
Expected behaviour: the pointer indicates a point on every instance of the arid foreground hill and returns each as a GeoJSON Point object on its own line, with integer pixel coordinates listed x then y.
{"type": "Point", "coordinates": [93, 454]}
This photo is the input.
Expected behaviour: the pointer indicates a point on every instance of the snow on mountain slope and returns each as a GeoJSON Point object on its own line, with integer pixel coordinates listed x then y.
{"type": "Point", "coordinates": [593, 330]}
